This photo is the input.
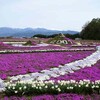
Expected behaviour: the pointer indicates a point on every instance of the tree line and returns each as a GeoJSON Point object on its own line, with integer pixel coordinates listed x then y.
{"type": "Point", "coordinates": [72, 36]}
{"type": "Point", "coordinates": [91, 30]}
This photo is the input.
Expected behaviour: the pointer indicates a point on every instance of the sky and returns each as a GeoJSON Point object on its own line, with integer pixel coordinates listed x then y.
{"type": "Point", "coordinates": [50, 14]}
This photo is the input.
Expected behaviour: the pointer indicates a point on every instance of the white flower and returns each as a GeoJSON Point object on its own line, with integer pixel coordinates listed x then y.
{"type": "Point", "coordinates": [97, 86]}
{"type": "Point", "coordinates": [67, 82]}
{"type": "Point", "coordinates": [93, 86]}
{"type": "Point", "coordinates": [71, 87]}
{"type": "Point", "coordinates": [93, 83]}
{"type": "Point", "coordinates": [79, 85]}
{"type": "Point", "coordinates": [59, 81]}
{"type": "Point", "coordinates": [75, 85]}
{"type": "Point", "coordinates": [72, 81]}
{"type": "Point", "coordinates": [46, 86]}
{"type": "Point", "coordinates": [68, 88]}
{"type": "Point", "coordinates": [40, 87]}
{"type": "Point", "coordinates": [56, 86]}
{"type": "Point", "coordinates": [81, 82]}
{"type": "Point", "coordinates": [10, 81]}
{"type": "Point", "coordinates": [9, 87]}
{"type": "Point", "coordinates": [25, 87]}
{"type": "Point", "coordinates": [87, 85]}
{"type": "Point", "coordinates": [13, 88]}
{"type": "Point", "coordinates": [59, 89]}
{"type": "Point", "coordinates": [16, 91]}
{"type": "Point", "coordinates": [52, 87]}
{"type": "Point", "coordinates": [20, 88]}
{"type": "Point", "coordinates": [36, 87]}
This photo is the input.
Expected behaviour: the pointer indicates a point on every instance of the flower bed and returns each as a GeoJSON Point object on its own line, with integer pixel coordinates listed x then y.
{"type": "Point", "coordinates": [91, 73]}
{"type": "Point", "coordinates": [61, 69]}
{"type": "Point", "coordinates": [15, 64]}
{"type": "Point", "coordinates": [64, 96]}
{"type": "Point", "coordinates": [23, 63]}
{"type": "Point", "coordinates": [52, 87]}
{"type": "Point", "coordinates": [4, 47]}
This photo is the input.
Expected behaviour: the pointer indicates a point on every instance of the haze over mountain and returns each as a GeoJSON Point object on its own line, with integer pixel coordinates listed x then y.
{"type": "Point", "coordinates": [29, 32]}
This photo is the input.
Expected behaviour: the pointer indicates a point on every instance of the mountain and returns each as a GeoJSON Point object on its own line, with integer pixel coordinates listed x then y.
{"type": "Point", "coordinates": [29, 32]}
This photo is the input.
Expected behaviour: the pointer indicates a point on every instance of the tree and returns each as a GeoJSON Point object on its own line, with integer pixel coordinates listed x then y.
{"type": "Point", "coordinates": [91, 30]}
